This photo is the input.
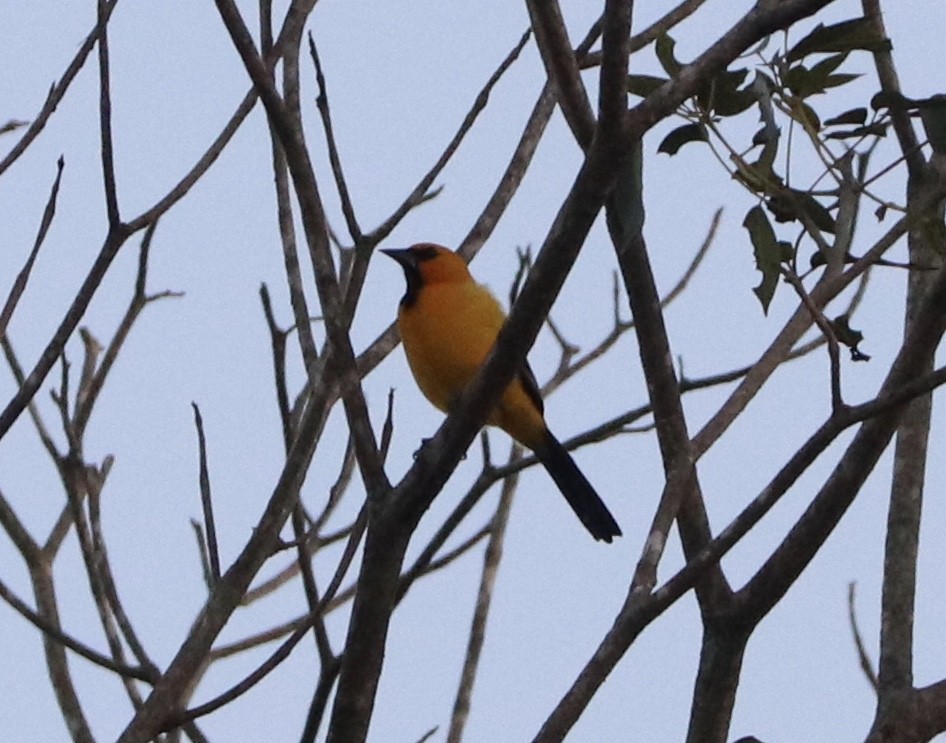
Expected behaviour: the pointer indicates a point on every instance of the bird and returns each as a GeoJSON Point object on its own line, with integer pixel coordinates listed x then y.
{"type": "Point", "coordinates": [448, 324]}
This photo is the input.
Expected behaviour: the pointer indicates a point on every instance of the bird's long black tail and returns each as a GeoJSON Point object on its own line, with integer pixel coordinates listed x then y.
{"type": "Point", "coordinates": [579, 493]}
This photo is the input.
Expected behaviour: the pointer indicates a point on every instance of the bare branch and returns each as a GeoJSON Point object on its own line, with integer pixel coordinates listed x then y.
{"type": "Point", "coordinates": [58, 90]}
{"type": "Point", "coordinates": [512, 177]}
{"type": "Point", "coordinates": [206, 500]}
{"type": "Point", "coordinates": [794, 553]}
{"type": "Point", "coordinates": [862, 655]}
{"type": "Point", "coordinates": [322, 644]}
{"type": "Point", "coordinates": [105, 119]}
{"type": "Point", "coordinates": [890, 83]}
{"type": "Point", "coordinates": [90, 390]}
{"type": "Point", "coordinates": [641, 608]}
{"type": "Point", "coordinates": [827, 331]}
{"type": "Point", "coordinates": [19, 284]}
{"type": "Point", "coordinates": [57, 635]}
{"type": "Point", "coordinates": [113, 242]}
{"type": "Point", "coordinates": [241, 688]}
{"type": "Point", "coordinates": [562, 69]}
{"type": "Point", "coordinates": [491, 560]}
{"type": "Point", "coordinates": [422, 187]}
{"type": "Point", "coordinates": [48, 444]}
{"type": "Point", "coordinates": [181, 189]}
{"type": "Point", "coordinates": [322, 103]}
{"type": "Point", "coordinates": [277, 338]}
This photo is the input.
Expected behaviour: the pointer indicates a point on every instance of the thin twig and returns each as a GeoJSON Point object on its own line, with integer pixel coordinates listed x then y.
{"type": "Point", "coordinates": [512, 177]}
{"type": "Point", "coordinates": [206, 500]}
{"type": "Point", "coordinates": [491, 560]}
{"type": "Point", "coordinates": [203, 554]}
{"type": "Point", "coordinates": [321, 102]}
{"type": "Point", "coordinates": [66, 640]}
{"type": "Point", "coordinates": [57, 91]}
{"type": "Point", "coordinates": [88, 393]}
{"type": "Point", "coordinates": [423, 186]}
{"type": "Point", "coordinates": [113, 242]}
{"type": "Point", "coordinates": [19, 284]}
{"type": "Point", "coordinates": [561, 67]}
{"type": "Point", "coordinates": [862, 656]}
{"type": "Point", "coordinates": [824, 325]}
{"type": "Point", "coordinates": [646, 37]}
{"type": "Point", "coordinates": [38, 423]}
{"type": "Point", "coordinates": [105, 119]}
{"type": "Point", "coordinates": [236, 691]}
{"type": "Point", "coordinates": [94, 481]}
{"type": "Point", "coordinates": [319, 633]}
{"type": "Point", "coordinates": [277, 339]}
{"type": "Point", "coordinates": [568, 368]}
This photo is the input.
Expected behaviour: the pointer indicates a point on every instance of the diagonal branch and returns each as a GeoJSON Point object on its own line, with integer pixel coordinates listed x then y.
{"type": "Point", "coordinates": [58, 90]}
{"type": "Point", "coordinates": [19, 284]}
{"type": "Point", "coordinates": [641, 608]}
{"type": "Point", "coordinates": [561, 67]}
{"type": "Point", "coordinates": [491, 560]}
{"type": "Point", "coordinates": [423, 186]}
{"type": "Point", "coordinates": [105, 118]}
{"type": "Point", "coordinates": [786, 563]}
{"type": "Point", "coordinates": [313, 218]}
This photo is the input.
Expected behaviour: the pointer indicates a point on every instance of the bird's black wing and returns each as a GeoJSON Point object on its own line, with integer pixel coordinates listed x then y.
{"type": "Point", "coordinates": [530, 385]}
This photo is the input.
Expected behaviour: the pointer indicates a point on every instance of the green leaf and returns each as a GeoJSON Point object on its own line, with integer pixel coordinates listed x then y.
{"type": "Point", "coordinates": [818, 213]}
{"type": "Point", "coordinates": [760, 137]}
{"type": "Point", "coordinates": [767, 252]}
{"type": "Point", "coordinates": [828, 65]}
{"type": "Point", "coordinates": [758, 176]}
{"type": "Point", "coordinates": [890, 99]}
{"type": "Point", "coordinates": [806, 116]}
{"type": "Point", "coordinates": [840, 37]}
{"type": "Point", "coordinates": [855, 116]}
{"type": "Point", "coordinates": [644, 85]}
{"type": "Point", "coordinates": [788, 204]}
{"type": "Point", "coordinates": [797, 80]}
{"type": "Point", "coordinates": [804, 82]}
{"type": "Point", "coordinates": [722, 95]}
{"type": "Point", "coordinates": [877, 129]}
{"type": "Point", "coordinates": [733, 103]}
{"type": "Point", "coordinates": [681, 136]}
{"type": "Point", "coordinates": [849, 337]}
{"type": "Point", "coordinates": [835, 81]}
{"type": "Point", "coordinates": [664, 50]}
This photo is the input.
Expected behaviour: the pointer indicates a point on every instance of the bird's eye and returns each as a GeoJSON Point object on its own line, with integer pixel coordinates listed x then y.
{"type": "Point", "coordinates": [425, 253]}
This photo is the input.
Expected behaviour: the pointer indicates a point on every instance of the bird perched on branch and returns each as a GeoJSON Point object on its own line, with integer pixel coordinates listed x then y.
{"type": "Point", "coordinates": [448, 325]}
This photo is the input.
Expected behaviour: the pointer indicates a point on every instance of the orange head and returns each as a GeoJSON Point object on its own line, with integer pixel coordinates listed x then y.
{"type": "Point", "coordinates": [427, 263]}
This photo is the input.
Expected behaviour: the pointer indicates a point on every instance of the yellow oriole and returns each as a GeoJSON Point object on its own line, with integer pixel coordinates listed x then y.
{"type": "Point", "coordinates": [448, 325]}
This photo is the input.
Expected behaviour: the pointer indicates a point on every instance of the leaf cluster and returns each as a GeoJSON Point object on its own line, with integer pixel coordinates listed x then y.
{"type": "Point", "coordinates": [781, 86]}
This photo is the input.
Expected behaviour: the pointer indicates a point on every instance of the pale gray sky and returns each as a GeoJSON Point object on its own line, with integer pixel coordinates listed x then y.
{"type": "Point", "coordinates": [401, 76]}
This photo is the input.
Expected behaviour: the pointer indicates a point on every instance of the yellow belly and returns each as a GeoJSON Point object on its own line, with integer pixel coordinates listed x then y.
{"type": "Point", "coordinates": [447, 335]}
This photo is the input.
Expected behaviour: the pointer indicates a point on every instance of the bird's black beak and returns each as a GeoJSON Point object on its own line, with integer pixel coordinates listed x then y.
{"type": "Point", "coordinates": [404, 256]}
{"type": "Point", "coordinates": [409, 262]}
